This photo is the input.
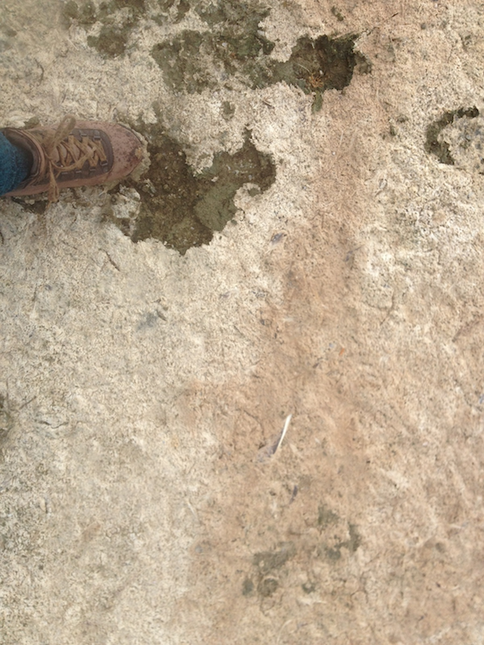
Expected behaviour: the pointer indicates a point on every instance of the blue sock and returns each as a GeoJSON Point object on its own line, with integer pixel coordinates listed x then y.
{"type": "Point", "coordinates": [15, 165]}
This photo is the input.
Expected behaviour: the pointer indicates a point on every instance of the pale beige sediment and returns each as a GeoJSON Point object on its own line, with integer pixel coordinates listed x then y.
{"type": "Point", "coordinates": [141, 385]}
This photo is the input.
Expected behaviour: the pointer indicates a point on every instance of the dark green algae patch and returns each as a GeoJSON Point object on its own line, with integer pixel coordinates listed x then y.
{"type": "Point", "coordinates": [178, 206]}
{"type": "Point", "coordinates": [232, 47]}
{"type": "Point", "coordinates": [183, 208]}
{"type": "Point", "coordinates": [114, 35]}
{"type": "Point", "coordinates": [194, 61]}
{"type": "Point", "coordinates": [435, 144]}
{"type": "Point", "coordinates": [235, 48]}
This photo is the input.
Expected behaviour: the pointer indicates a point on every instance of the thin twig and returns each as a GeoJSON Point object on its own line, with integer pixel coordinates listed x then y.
{"type": "Point", "coordinates": [283, 434]}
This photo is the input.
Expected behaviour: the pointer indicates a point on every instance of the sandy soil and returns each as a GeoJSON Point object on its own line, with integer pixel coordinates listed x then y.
{"type": "Point", "coordinates": [142, 391]}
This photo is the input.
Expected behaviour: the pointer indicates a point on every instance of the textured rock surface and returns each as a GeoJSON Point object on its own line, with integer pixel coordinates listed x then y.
{"type": "Point", "coordinates": [139, 388]}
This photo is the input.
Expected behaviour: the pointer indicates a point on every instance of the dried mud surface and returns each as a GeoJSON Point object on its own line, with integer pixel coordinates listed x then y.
{"type": "Point", "coordinates": [145, 380]}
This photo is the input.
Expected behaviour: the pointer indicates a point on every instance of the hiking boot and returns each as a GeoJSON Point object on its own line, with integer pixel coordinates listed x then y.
{"type": "Point", "coordinates": [82, 153]}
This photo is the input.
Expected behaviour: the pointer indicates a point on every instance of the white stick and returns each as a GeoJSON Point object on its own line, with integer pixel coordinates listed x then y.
{"type": "Point", "coordinates": [283, 434]}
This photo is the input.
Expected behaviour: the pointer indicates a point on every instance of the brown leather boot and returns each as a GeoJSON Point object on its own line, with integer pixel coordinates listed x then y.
{"type": "Point", "coordinates": [82, 153]}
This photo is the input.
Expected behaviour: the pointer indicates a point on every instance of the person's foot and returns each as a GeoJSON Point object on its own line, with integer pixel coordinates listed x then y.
{"type": "Point", "coordinates": [76, 153]}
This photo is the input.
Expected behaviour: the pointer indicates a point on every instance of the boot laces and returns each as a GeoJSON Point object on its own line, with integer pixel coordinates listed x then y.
{"type": "Point", "coordinates": [66, 153]}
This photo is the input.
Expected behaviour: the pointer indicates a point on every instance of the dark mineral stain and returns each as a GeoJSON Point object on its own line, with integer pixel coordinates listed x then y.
{"type": "Point", "coordinates": [247, 587]}
{"type": "Point", "coordinates": [333, 553]}
{"type": "Point", "coordinates": [268, 561]}
{"type": "Point", "coordinates": [5, 421]}
{"type": "Point", "coordinates": [355, 539]}
{"type": "Point", "coordinates": [182, 208]}
{"type": "Point", "coordinates": [434, 144]}
{"type": "Point", "coordinates": [228, 110]}
{"type": "Point", "coordinates": [308, 587]}
{"type": "Point", "coordinates": [37, 205]}
{"type": "Point", "coordinates": [326, 516]}
{"type": "Point", "coordinates": [267, 587]}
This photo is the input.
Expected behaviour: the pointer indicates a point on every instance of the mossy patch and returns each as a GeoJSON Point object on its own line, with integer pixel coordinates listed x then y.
{"type": "Point", "coordinates": [318, 64]}
{"type": "Point", "coordinates": [174, 10]}
{"type": "Point", "coordinates": [195, 61]}
{"type": "Point", "coordinates": [118, 19]}
{"type": "Point", "coordinates": [84, 13]}
{"type": "Point", "coordinates": [182, 208]}
{"type": "Point", "coordinates": [183, 62]}
{"type": "Point", "coordinates": [435, 143]}
{"type": "Point", "coordinates": [233, 46]}
{"type": "Point", "coordinates": [112, 40]}
{"type": "Point", "coordinates": [179, 207]}
{"type": "Point", "coordinates": [337, 13]}
{"type": "Point", "coordinates": [244, 16]}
